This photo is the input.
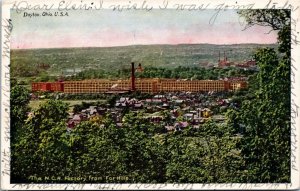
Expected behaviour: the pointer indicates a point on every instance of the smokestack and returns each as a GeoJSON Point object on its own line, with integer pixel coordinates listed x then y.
{"type": "Point", "coordinates": [132, 77]}
{"type": "Point", "coordinates": [219, 56]}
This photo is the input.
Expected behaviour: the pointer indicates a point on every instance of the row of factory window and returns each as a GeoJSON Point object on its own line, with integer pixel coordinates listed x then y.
{"type": "Point", "coordinates": [105, 87]}
{"type": "Point", "coordinates": [219, 84]}
{"type": "Point", "coordinates": [140, 85]}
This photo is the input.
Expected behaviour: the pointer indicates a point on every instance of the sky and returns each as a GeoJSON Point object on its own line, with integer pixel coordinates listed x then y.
{"type": "Point", "coordinates": [106, 28]}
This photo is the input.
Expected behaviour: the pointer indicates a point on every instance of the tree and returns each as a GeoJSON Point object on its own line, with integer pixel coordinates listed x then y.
{"type": "Point", "coordinates": [19, 100]}
{"type": "Point", "coordinates": [95, 151]}
{"type": "Point", "coordinates": [145, 150]}
{"type": "Point", "coordinates": [266, 117]}
{"type": "Point", "coordinates": [278, 20]}
{"type": "Point", "coordinates": [205, 155]}
{"type": "Point", "coordinates": [40, 150]}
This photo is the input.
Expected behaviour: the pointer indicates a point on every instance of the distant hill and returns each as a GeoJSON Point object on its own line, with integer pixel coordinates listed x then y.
{"type": "Point", "coordinates": [112, 58]}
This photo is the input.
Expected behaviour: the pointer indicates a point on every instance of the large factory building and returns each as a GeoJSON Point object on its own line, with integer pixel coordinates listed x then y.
{"type": "Point", "coordinates": [151, 86]}
{"type": "Point", "coordinates": [144, 85]}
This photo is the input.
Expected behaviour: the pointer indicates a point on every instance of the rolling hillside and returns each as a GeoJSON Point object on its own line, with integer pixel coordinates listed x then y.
{"type": "Point", "coordinates": [70, 60]}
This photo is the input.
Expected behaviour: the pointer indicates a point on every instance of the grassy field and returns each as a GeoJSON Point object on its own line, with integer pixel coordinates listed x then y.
{"type": "Point", "coordinates": [34, 104]}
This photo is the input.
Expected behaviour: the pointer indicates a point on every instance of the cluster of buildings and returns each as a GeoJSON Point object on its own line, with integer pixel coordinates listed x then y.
{"type": "Point", "coordinates": [251, 64]}
{"type": "Point", "coordinates": [224, 63]}
{"type": "Point", "coordinates": [175, 111]}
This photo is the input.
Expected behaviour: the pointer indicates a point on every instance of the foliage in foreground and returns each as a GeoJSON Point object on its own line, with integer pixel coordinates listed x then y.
{"type": "Point", "coordinates": [266, 117]}
{"type": "Point", "coordinates": [136, 151]}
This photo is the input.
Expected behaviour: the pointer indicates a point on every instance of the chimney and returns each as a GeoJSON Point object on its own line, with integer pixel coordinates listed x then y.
{"type": "Point", "coordinates": [132, 77]}
{"type": "Point", "coordinates": [219, 56]}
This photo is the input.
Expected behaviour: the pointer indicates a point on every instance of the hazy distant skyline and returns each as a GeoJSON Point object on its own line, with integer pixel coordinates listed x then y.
{"type": "Point", "coordinates": [106, 28]}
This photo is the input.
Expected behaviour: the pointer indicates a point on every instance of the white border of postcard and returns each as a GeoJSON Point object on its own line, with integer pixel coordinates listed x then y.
{"type": "Point", "coordinates": [216, 5]}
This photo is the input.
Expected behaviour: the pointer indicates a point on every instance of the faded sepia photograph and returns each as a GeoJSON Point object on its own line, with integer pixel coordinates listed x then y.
{"type": "Point", "coordinates": [150, 96]}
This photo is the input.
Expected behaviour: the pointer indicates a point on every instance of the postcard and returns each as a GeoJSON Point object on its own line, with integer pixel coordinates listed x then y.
{"type": "Point", "coordinates": [150, 95]}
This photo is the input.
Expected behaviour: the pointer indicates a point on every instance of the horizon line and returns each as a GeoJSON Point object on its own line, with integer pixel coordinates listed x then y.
{"type": "Point", "coordinates": [132, 45]}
